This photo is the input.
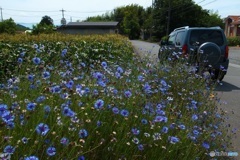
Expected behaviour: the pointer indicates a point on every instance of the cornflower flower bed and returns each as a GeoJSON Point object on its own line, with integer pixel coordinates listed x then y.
{"type": "Point", "coordinates": [60, 104]}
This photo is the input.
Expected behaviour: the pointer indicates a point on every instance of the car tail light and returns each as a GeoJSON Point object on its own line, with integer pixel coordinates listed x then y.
{"type": "Point", "coordinates": [185, 49]}
{"type": "Point", "coordinates": [226, 52]}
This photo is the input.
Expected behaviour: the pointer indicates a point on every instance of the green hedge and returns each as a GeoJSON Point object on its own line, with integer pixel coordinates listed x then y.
{"type": "Point", "coordinates": [233, 41]}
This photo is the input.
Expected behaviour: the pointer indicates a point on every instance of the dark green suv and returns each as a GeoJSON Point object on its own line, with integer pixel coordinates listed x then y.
{"type": "Point", "coordinates": [199, 45]}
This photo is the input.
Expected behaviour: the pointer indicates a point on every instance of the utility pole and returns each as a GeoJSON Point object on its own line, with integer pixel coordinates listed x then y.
{"type": "Point", "coordinates": [169, 16]}
{"type": "Point", "coordinates": [1, 14]}
{"type": "Point", "coordinates": [63, 20]}
{"type": "Point", "coordinates": [62, 13]}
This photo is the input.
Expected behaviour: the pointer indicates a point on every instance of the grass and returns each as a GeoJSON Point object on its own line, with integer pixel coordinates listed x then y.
{"type": "Point", "coordinates": [92, 98]}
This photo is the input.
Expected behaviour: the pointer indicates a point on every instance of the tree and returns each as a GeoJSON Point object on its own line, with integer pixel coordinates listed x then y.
{"type": "Point", "coordinates": [8, 26]}
{"type": "Point", "coordinates": [170, 14]}
{"type": "Point", "coordinates": [46, 20]}
{"type": "Point", "coordinates": [45, 26]}
{"type": "Point", "coordinates": [213, 19]}
{"type": "Point", "coordinates": [131, 26]}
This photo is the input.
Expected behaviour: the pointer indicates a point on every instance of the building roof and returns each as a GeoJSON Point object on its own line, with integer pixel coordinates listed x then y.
{"type": "Point", "coordinates": [235, 19]}
{"type": "Point", "coordinates": [110, 24]}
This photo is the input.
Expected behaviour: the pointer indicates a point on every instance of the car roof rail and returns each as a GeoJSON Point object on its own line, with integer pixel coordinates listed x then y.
{"type": "Point", "coordinates": [216, 27]}
{"type": "Point", "coordinates": [184, 27]}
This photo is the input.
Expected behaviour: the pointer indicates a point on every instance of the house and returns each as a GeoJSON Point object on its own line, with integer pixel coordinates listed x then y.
{"type": "Point", "coordinates": [88, 28]}
{"type": "Point", "coordinates": [232, 26]}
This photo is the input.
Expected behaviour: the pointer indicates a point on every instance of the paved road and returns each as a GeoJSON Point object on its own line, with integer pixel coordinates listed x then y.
{"type": "Point", "coordinates": [228, 92]}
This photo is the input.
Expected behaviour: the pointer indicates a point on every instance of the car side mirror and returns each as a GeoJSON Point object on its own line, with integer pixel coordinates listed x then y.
{"type": "Point", "coordinates": [163, 42]}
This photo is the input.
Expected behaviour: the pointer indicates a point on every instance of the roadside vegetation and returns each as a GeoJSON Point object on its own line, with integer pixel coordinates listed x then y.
{"type": "Point", "coordinates": [90, 97]}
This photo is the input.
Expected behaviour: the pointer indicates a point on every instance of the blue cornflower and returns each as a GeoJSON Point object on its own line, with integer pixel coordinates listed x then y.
{"type": "Point", "coordinates": [31, 106]}
{"type": "Point", "coordinates": [9, 149]}
{"type": "Point", "coordinates": [64, 52]}
{"type": "Point", "coordinates": [165, 129]}
{"type": "Point", "coordinates": [160, 106]}
{"type": "Point", "coordinates": [173, 139]}
{"type": "Point", "coordinates": [83, 64]}
{"type": "Point", "coordinates": [160, 112]}
{"type": "Point", "coordinates": [31, 158]}
{"type": "Point", "coordinates": [47, 141]}
{"type": "Point", "coordinates": [124, 112]}
{"type": "Point", "coordinates": [21, 118]}
{"type": "Point", "coordinates": [24, 140]}
{"type": "Point", "coordinates": [42, 129]}
{"type": "Point", "coordinates": [83, 133]}
{"type": "Point", "coordinates": [156, 136]}
{"type": "Point", "coordinates": [127, 94]}
{"type": "Point", "coordinates": [40, 99]}
{"type": "Point", "coordinates": [195, 132]}
{"type": "Point", "coordinates": [36, 60]}
{"type": "Point", "coordinates": [47, 109]}
{"type": "Point", "coordinates": [81, 158]}
{"type": "Point", "coordinates": [55, 89]}
{"type": "Point", "coordinates": [3, 108]}
{"type": "Point", "coordinates": [140, 147]}
{"type": "Point", "coordinates": [95, 92]}
{"type": "Point", "coordinates": [206, 145]}
{"type": "Point", "coordinates": [117, 75]}
{"type": "Point", "coordinates": [30, 77]}
{"type": "Point", "coordinates": [35, 46]}
{"type": "Point", "coordinates": [135, 131]}
{"type": "Point", "coordinates": [10, 125]}
{"type": "Point", "coordinates": [68, 112]}
{"type": "Point", "coordinates": [104, 64]}
{"type": "Point", "coordinates": [64, 96]}
{"type": "Point", "coordinates": [135, 140]}
{"type": "Point", "coordinates": [7, 117]}
{"type": "Point", "coordinates": [99, 123]}
{"type": "Point", "coordinates": [101, 83]}
{"type": "Point", "coordinates": [140, 78]}
{"type": "Point", "coordinates": [20, 60]}
{"type": "Point", "coordinates": [22, 54]}
{"type": "Point", "coordinates": [46, 75]}
{"type": "Point", "coordinates": [99, 76]}
{"type": "Point", "coordinates": [172, 126]}
{"type": "Point", "coordinates": [99, 104]}
{"type": "Point", "coordinates": [115, 110]}
{"type": "Point", "coordinates": [147, 88]}
{"type": "Point", "coordinates": [161, 119]}
{"type": "Point", "coordinates": [51, 151]}
{"type": "Point", "coordinates": [119, 69]}
{"type": "Point", "coordinates": [181, 126]}
{"type": "Point", "coordinates": [194, 117]}
{"type": "Point", "coordinates": [64, 141]}
{"type": "Point", "coordinates": [144, 121]}
{"type": "Point", "coordinates": [115, 91]}
{"type": "Point", "coordinates": [70, 84]}
{"type": "Point", "coordinates": [163, 83]}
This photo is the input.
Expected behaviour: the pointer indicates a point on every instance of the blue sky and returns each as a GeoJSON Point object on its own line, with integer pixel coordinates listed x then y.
{"type": "Point", "coordinates": [31, 11]}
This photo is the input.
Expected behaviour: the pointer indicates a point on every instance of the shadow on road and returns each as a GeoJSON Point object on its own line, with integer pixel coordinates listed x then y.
{"type": "Point", "coordinates": [226, 87]}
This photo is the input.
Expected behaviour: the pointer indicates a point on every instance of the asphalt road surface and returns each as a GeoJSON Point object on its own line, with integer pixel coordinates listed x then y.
{"type": "Point", "coordinates": [228, 90]}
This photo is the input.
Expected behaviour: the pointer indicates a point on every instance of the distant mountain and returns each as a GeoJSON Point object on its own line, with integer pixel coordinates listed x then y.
{"type": "Point", "coordinates": [22, 27]}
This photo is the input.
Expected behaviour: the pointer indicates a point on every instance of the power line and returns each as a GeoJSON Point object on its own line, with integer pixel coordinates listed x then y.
{"type": "Point", "coordinates": [29, 15]}
{"type": "Point", "coordinates": [1, 14]}
{"type": "Point", "coordinates": [18, 10]}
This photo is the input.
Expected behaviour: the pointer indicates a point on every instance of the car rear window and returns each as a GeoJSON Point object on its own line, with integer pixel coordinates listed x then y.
{"type": "Point", "coordinates": [202, 36]}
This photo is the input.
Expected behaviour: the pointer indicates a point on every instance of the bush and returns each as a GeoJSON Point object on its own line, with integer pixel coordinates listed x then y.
{"type": "Point", "coordinates": [233, 41]}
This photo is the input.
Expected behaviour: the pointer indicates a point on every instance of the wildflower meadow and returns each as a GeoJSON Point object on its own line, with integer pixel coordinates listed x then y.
{"type": "Point", "coordinates": [90, 97]}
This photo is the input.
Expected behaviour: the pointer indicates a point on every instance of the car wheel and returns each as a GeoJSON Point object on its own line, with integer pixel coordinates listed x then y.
{"type": "Point", "coordinates": [218, 75]}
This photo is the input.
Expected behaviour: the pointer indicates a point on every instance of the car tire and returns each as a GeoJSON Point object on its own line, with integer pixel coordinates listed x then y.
{"type": "Point", "coordinates": [218, 75]}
